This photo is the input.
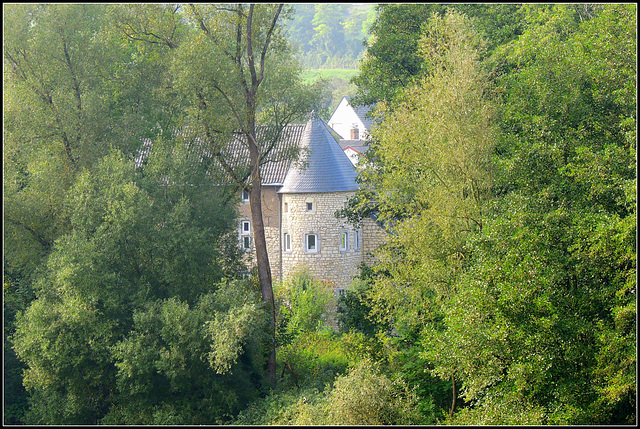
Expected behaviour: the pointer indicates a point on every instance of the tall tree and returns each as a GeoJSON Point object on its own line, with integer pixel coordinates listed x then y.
{"type": "Point", "coordinates": [392, 60]}
{"type": "Point", "coordinates": [71, 91]}
{"type": "Point", "coordinates": [430, 177]}
{"type": "Point", "coordinates": [552, 274]}
{"type": "Point", "coordinates": [238, 73]}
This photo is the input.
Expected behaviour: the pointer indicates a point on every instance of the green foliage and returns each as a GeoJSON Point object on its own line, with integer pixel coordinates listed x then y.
{"type": "Point", "coordinates": [164, 371]}
{"type": "Point", "coordinates": [329, 35]}
{"type": "Point", "coordinates": [128, 248]}
{"type": "Point", "coordinates": [430, 178]}
{"type": "Point", "coordinates": [306, 304]}
{"type": "Point", "coordinates": [514, 254]}
{"type": "Point", "coordinates": [555, 262]}
{"type": "Point", "coordinates": [354, 309]}
{"type": "Point", "coordinates": [363, 396]}
{"type": "Point", "coordinates": [393, 62]}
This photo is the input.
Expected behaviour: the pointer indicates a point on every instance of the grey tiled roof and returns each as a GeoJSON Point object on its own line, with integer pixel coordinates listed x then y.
{"type": "Point", "coordinates": [274, 166]}
{"type": "Point", "coordinates": [323, 166]}
{"type": "Point", "coordinates": [359, 145]}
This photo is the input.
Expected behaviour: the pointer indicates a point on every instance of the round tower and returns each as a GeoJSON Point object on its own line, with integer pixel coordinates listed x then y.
{"type": "Point", "coordinates": [316, 186]}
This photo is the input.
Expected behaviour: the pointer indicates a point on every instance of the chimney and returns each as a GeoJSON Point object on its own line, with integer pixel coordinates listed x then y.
{"type": "Point", "coordinates": [355, 134]}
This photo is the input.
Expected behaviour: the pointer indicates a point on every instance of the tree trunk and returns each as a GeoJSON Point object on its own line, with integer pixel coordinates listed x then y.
{"type": "Point", "coordinates": [262, 258]}
{"type": "Point", "coordinates": [453, 401]}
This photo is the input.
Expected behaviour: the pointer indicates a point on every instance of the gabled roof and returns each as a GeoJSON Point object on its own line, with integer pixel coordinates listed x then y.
{"type": "Point", "coordinates": [357, 145]}
{"type": "Point", "coordinates": [273, 167]}
{"type": "Point", "coordinates": [323, 166]}
{"type": "Point", "coordinates": [362, 112]}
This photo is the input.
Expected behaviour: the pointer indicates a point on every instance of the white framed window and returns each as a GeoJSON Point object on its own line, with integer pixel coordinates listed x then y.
{"type": "Point", "coordinates": [286, 242]}
{"type": "Point", "coordinates": [246, 242]}
{"type": "Point", "coordinates": [245, 196]}
{"type": "Point", "coordinates": [340, 292]}
{"type": "Point", "coordinates": [344, 241]}
{"type": "Point", "coordinates": [245, 235]}
{"type": "Point", "coordinates": [311, 243]}
{"type": "Point", "coordinates": [356, 240]}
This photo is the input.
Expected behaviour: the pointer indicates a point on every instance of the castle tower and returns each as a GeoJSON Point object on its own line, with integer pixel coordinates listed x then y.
{"type": "Point", "coordinates": [315, 187]}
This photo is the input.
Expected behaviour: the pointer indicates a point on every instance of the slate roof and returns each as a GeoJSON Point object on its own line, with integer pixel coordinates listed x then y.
{"type": "Point", "coordinates": [274, 166]}
{"type": "Point", "coordinates": [358, 145]}
{"type": "Point", "coordinates": [323, 166]}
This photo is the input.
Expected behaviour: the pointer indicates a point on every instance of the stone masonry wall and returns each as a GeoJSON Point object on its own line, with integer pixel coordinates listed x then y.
{"type": "Point", "coordinates": [271, 218]}
{"type": "Point", "coordinates": [329, 263]}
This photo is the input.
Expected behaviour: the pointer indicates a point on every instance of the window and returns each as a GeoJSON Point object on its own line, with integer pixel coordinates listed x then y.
{"type": "Point", "coordinates": [245, 195]}
{"type": "Point", "coordinates": [286, 242]}
{"type": "Point", "coordinates": [309, 205]}
{"type": "Point", "coordinates": [311, 243]}
{"type": "Point", "coordinates": [246, 242]}
{"type": "Point", "coordinates": [245, 235]}
{"type": "Point", "coordinates": [344, 241]}
{"type": "Point", "coordinates": [340, 292]}
{"type": "Point", "coordinates": [286, 207]}
{"type": "Point", "coordinates": [356, 240]}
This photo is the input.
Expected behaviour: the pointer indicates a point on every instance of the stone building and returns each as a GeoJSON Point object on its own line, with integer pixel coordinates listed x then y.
{"type": "Point", "coordinates": [300, 200]}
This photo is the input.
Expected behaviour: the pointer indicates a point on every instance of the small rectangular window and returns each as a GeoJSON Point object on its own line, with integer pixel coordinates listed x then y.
{"type": "Point", "coordinates": [286, 207]}
{"type": "Point", "coordinates": [245, 234]}
{"type": "Point", "coordinates": [286, 242]}
{"type": "Point", "coordinates": [245, 195]}
{"type": "Point", "coordinates": [311, 244]}
{"type": "Point", "coordinates": [356, 240]}
{"type": "Point", "coordinates": [344, 241]}
{"type": "Point", "coordinates": [309, 207]}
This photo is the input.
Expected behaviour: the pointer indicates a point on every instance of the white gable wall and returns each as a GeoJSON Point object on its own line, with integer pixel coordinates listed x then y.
{"type": "Point", "coordinates": [343, 120]}
{"type": "Point", "coordinates": [354, 155]}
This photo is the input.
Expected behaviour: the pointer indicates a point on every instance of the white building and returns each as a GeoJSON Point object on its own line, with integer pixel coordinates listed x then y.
{"type": "Point", "coordinates": [352, 125]}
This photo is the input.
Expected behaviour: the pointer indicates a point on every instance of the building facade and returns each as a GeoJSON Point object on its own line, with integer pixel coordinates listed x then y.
{"type": "Point", "coordinates": [299, 211]}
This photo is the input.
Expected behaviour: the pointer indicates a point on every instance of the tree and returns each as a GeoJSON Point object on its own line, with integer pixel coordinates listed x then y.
{"type": "Point", "coordinates": [392, 60]}
{"type": "Point", "coordinates": [553, 270]}
{"type": "Point", "coordinates": [131, 245]}
{"type": "Point", "coordinates": [238, 74]}
{"type": "Point", "coordinates": [429, 180]}
{"type": "Point", "coordinates": [71, 91]}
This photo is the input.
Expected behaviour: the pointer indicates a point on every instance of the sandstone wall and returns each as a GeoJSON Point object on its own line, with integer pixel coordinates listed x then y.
{"type": "Point", "coordinates": [330, 262]}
